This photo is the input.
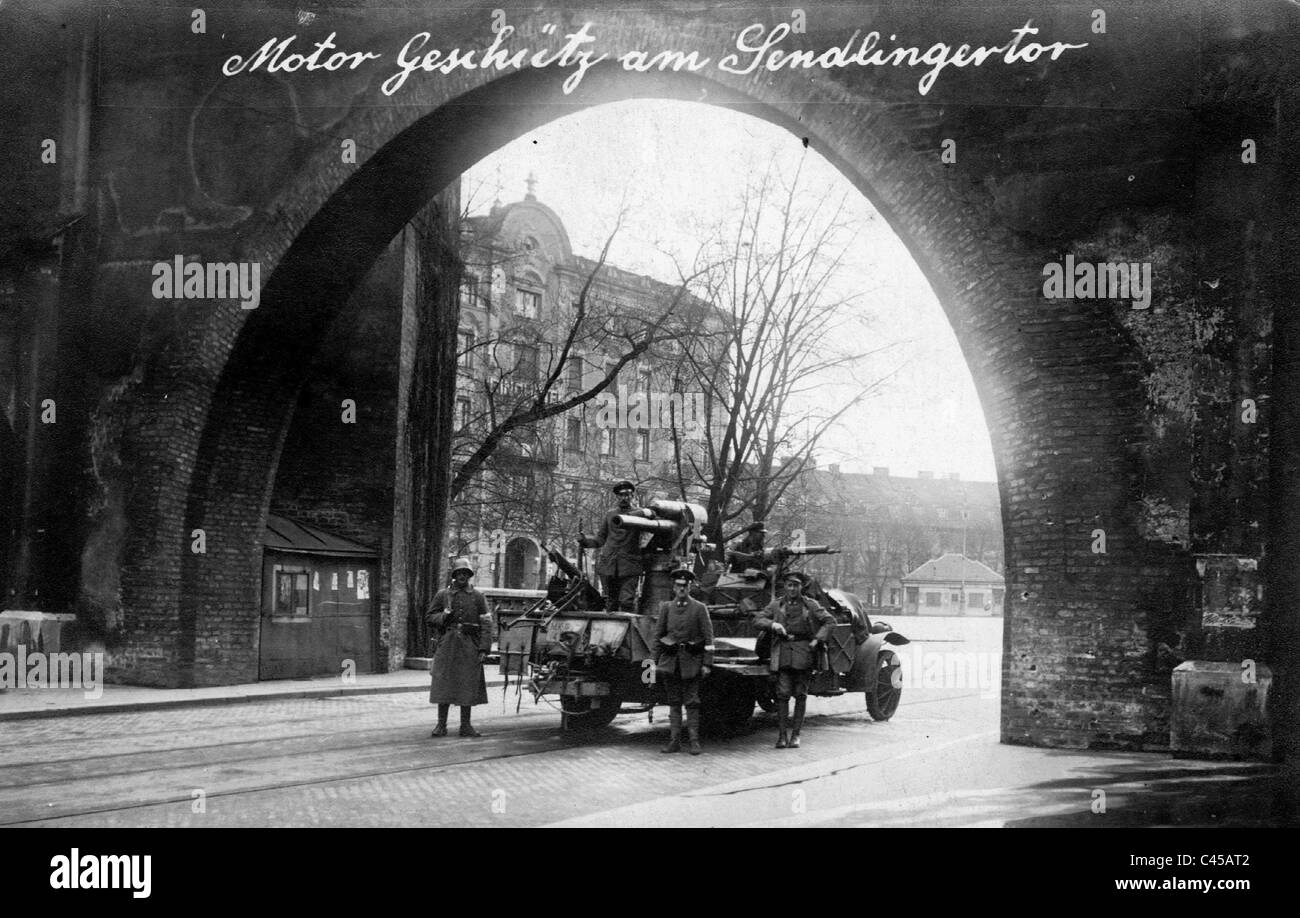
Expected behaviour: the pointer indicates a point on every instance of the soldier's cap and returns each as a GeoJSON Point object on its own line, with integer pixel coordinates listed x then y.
{"type": "Point", "coordinates": [795, 575]}
{"type": "Point", "coordinates": [623, 486]}
{"type": "Point", "coordinates": [461, 564]}
{"type": "Point", "coordinates": [683, 573]}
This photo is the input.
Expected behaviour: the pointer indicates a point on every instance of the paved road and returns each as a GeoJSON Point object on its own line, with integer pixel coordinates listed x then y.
{"type": "Point", "coordinates": [369, 760]}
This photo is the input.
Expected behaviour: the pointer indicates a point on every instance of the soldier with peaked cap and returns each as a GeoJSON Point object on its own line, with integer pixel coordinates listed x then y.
{"type": "Point", "coordinates": [683, 652]}
{"type": "Point", "coordinates": [459, 614]}
{"type": "Point", "coordinates": [619, 562]}
{"type": "Point", "coordinates": [798, 626]}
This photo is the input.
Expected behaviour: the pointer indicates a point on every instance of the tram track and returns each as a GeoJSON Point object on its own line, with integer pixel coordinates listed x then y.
{"type": "Point", "coordinates": [499, 747]}
{"type": "Point", "coordinates": [495, 754]}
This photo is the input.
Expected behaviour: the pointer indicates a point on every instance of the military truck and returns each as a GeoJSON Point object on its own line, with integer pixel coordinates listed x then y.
{"type": "Point", "coordinates": [599, 663]}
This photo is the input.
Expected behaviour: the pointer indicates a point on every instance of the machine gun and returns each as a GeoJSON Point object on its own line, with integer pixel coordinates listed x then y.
{"type": "Point", "coordinates": [774, 562]}
{"type": "Point", "coordinates": [780, 556]}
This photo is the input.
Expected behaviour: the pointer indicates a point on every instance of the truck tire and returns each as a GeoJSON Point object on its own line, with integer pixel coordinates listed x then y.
{"type": "Point", "coordinates": [581, 717]}
{"type": "Point", "coordinates": [727, 706]}
{"type": "Point", "coordinates": [886, 688]}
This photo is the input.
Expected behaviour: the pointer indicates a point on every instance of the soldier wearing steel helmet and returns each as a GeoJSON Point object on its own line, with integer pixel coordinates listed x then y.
{"type": "Point", "coordinates": [459, 615]}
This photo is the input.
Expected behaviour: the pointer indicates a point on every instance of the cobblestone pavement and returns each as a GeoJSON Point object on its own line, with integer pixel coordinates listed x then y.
{"type": "Point", "coordinates": [369, 760]}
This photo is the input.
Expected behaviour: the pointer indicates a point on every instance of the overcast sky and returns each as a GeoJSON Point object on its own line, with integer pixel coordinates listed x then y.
{"type": "Point", "coordinates": [677, 166]}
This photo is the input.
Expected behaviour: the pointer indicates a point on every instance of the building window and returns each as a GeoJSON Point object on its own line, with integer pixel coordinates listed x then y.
{"type": "Point", "coordinates": [470, 290]}
{"type": "Point", "coordinates": [462, 413]}
{"type": "Point", "coordinates": [933, 600]}
{"type": "Point", "coordinates": [575, 374]}
{"type": "Point", "coordinates": [893, 596]}
{"type": "Point", "coordinates": [465, 349]}
{"type": "Point", "coordinates": [573, 435]}
{"type": "Point", "coordinates": [528, 303]}
{"type": "Point", "coordinates": [607, 441]}
{"type": "Point", "coordinates": [525, 363]}
{"type": "Point", "coordinates": [942, 512]}
{"type": "Point", "coordinates": [975, 600]}
{"type": "Point", "coordinates": [913, 594]}
{"type": "Point", "coordinates": [956, 600]}
{"type": "Point", "coordinates": [643, 444]}
{"type": "Point", "coordinates": [290, 591]}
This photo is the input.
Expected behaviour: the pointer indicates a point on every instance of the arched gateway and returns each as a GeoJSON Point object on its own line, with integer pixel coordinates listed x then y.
{"type": "Point", "coordinates": [1065, 384]}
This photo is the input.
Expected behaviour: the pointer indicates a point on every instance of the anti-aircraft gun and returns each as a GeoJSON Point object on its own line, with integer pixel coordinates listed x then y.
{"type": "Point", "coordinates": [600, 662]}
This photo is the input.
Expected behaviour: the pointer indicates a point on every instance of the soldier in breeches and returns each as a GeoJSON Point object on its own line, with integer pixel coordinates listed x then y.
{"type": "Point", "coordinates": [683, 652]}
{"type": "Point", "coordinates": [619, 563]}
{"type": "Point", "coordinates": [460, 614]}
{"type": "Point", "coordinates": [798, 626]}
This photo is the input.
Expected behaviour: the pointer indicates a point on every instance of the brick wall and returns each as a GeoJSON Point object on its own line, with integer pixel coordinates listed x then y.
{"type": "Point", "coordinates": [1045, 160]}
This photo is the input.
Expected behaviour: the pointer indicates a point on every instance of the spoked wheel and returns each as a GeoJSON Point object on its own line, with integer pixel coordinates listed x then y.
{"type": "Point", "coordinates": [581, 715]}
{"type": "Point", "coordinates": [884, 694]}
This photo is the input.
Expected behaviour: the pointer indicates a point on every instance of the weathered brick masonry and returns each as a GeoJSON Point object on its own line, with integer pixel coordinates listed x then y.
{"type": "Point", "coordinates": [1050, 158]}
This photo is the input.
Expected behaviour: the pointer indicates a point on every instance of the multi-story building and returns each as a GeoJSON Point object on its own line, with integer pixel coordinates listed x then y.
{"type": "Point", "coordinates": [539, 325]}
{"type": "Point", "coordinates": [886, 526]}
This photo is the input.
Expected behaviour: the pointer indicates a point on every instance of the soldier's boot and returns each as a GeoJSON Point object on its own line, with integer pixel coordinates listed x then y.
{"type": "Point", "coordinates": [800, 704]}
{"type": "Point", "coordinates": [467, 728]}
{"type": "Point", "coordinates": [674, 730]}
{"type": "Point", "coordinates": [693, 728]}
{"type": "Point", "coordinates": [782, 717]}
{"type": "Point", "coordinates": [441, 729]}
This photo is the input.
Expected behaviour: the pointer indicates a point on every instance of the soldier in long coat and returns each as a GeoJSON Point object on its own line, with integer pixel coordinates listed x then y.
{"type": "Point", "coordinates": [683, 651]}
{"type": "Point", "coordinates": [459, 613]}
{"type": "Point", "coordinates": [619, 563]}
{"type": "Point", "coordinates": [798, 626]}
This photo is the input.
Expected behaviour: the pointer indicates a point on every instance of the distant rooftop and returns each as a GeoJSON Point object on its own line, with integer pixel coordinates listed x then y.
{"type": "Point", "coordinates": [954, 568]}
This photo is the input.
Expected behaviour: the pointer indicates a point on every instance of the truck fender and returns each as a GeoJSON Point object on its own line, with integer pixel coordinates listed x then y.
{"type": "Point", "coordinates": [863, 673]}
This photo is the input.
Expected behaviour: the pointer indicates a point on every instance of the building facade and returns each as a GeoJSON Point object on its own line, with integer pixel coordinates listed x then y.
{"type": "Point", "coordinates": [886, 526]}
{"type": "Point", "coordinates": [541, 326]}
{"type": "Point", "coordinates": [953, 585]}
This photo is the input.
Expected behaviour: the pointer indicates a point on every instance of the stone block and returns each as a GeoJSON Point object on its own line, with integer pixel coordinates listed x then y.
{"type": "Point", "coordinates": [1219, 710]}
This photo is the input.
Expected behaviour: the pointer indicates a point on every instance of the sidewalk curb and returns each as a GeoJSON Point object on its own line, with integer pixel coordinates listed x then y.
{"type": "Point", "coordinates": [216, 700]}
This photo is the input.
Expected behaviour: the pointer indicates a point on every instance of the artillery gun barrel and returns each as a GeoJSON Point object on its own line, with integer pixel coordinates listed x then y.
{"type": "Point", "coordinates": [643, 524]}
{"type": "Point", "coordinates": [812, 550]}
{"type": "Point", "coordinates": [668, 509]}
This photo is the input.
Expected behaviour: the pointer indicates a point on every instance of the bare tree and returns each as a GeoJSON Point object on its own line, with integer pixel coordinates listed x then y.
{"type": "Point", "coordinates": [773, 281]}
{"type": "Point", "coordinates": [518, 383]}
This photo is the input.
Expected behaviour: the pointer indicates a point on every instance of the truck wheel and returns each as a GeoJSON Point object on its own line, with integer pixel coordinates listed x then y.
{"type": "Point", "coordinates": [887, 689]}
{"type": "Point", "coordinates": [581, 716]}
{"type": "Point", "coordinates": [727, 709]}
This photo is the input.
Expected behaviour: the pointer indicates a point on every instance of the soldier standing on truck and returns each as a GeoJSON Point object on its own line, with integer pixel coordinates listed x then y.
{"type": "Point", "coordinates": [683, 652]}
{"type": "Point", "coordinates": [619, 562]}
{"type": "Point", "coordinates": [459, 613]}
{"type": "Point", "coordinates": [798, 626]}
{"type": "Point", "coordinates": [748, 553]}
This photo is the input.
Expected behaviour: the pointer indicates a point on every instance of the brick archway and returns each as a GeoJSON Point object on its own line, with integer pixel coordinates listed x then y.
{"type": "Point", "coordinates": [1060, 391]}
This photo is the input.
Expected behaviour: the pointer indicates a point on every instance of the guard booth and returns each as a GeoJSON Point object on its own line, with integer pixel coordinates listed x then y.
{"type": "Point", "coordinates": [318, 602]}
